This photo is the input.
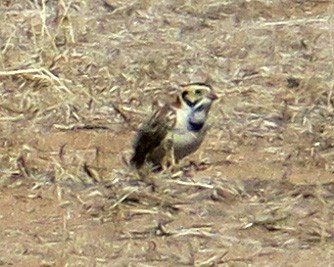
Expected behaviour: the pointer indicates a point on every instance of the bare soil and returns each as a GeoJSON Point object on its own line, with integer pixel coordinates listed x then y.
{"type": "Point", "coordinates": [77, 77]}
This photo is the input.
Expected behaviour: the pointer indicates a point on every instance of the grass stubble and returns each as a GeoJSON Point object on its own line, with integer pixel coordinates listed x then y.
{"type": "Point", "coordinates": [77, 77]}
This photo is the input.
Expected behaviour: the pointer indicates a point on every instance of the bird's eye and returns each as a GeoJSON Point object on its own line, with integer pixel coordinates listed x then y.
{"type": "Point", "coordinates": [198, 92]}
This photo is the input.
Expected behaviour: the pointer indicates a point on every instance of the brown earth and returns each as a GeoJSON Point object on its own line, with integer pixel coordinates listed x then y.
{"type": "Point", "coordinates": [76, 78]}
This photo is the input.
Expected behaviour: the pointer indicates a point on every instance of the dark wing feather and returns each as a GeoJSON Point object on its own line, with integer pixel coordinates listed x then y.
{"type": "Point", "coordinates": [151, 133]}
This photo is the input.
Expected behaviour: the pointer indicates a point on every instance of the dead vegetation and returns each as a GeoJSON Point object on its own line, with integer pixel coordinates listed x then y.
{"type": "Point", "coordinates": [76, 78]}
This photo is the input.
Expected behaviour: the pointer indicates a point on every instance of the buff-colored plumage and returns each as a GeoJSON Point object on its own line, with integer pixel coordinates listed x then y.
{"type": "Point", "coordinates": [175, 130]}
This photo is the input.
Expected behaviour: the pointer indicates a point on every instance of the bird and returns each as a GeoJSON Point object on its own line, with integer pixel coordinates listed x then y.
{"type": "Point", "coordinates": [174, 130]}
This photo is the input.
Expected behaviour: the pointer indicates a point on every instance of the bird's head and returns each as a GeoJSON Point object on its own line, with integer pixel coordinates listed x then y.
{"type": "Point", "coordinates": [197, 96]}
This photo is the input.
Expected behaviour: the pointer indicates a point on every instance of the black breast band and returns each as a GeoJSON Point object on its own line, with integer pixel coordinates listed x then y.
{"type": "Point", "coordinates": [195, 127]}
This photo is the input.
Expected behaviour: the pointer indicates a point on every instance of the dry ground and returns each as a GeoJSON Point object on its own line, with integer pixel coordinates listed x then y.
{"type": "Point", "coordinates": [76, 78]}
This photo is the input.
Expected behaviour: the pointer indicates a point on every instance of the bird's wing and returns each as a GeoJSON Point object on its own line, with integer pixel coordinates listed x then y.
{"type": "Point", "coordinates": [151, 134]}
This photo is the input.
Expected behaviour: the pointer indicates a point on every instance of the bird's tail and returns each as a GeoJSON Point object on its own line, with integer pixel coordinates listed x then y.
{"type": "Point", "coordinates": [137, 160]}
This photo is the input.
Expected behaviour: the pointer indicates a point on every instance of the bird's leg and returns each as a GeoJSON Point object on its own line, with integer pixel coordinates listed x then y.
{"type": "Point", "coordinates": [172, 152]}
{"type": "Point", "coordinates": [168, 158]}
{"type": "Point", "coordinates": [168, 163]}
{"type": "Point", "coordinates": [171, 155]}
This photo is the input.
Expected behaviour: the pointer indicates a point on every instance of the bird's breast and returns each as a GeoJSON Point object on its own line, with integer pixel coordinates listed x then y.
{"type": "Point", "coordinates": [186, 142]}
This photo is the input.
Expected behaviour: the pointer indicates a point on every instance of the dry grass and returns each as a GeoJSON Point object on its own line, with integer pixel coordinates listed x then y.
{"type": "Point", "coordinates": [76, 77]}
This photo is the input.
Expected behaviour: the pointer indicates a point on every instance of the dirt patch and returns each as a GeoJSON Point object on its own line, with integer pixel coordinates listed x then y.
{"type": "Point", "coordinates": [76, 79]}
{"type": "Point", "coordinates": [210, 221]}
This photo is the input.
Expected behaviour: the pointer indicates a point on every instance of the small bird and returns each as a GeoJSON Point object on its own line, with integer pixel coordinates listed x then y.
{"type": "Point", "coordinates": [174, 130]}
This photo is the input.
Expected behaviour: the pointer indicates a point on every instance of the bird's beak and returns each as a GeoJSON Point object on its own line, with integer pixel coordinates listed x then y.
{"type": "Point", "coordinates": [212, 96]}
